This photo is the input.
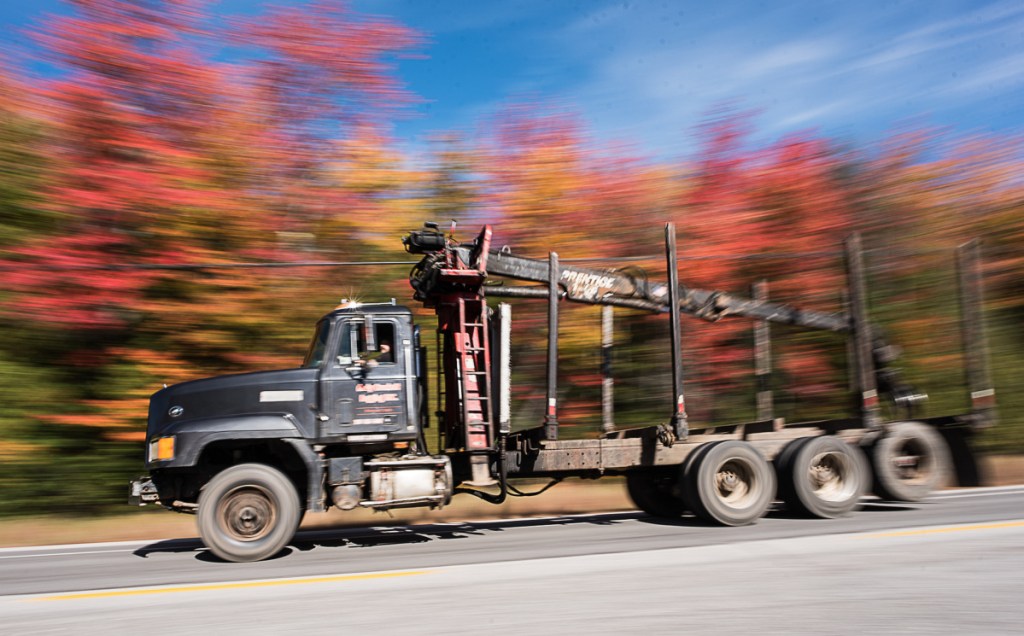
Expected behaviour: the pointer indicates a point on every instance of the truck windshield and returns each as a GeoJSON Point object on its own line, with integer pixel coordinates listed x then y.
{"type": "Point", "coordinates": [317, 348]}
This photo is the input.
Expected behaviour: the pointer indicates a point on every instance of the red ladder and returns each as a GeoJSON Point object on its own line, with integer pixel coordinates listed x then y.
{"type": "Point", "coordinates": [474, 371]}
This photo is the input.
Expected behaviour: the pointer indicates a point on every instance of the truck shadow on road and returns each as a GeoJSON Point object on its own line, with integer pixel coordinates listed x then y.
{"type": "Point", "coordinates": [379, 536]}
{"type": "Point", "coordinates": [777, 511]}
{"type": "Point", "coordinates": [388, 535]}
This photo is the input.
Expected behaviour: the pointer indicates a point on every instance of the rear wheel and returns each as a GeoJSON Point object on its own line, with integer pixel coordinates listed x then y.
{"type": "Point", "coordinates": [822, 476]}
{"type": "Point", "coordinates": [911, 461]}
{"type": "Point", "coordinates": [248, 512]}
{"type": "Point", "coordinates": [653, 490]}
{"type": "Point", "coordinates": [729, 483]}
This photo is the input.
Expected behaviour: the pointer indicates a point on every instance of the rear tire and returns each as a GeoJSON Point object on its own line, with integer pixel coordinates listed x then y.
{"type": "Point", "coordinates": [782, 464]}
{"type": "Point", "coordinates": [729, 483]}
{"type": "Point", "coordinates": [653, 490]}
{"type": "Point", "coordinates": [248, 513]}
{"type": "Point", "coordinates": [910, 462]}
{"type": "Point", "coordinates": [822, 476]}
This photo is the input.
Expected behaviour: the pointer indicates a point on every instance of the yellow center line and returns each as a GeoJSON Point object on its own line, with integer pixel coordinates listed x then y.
{"type": "Point", "coordinates": [910, 533]}
{"type": "Point", "coordinates": [229, 586]}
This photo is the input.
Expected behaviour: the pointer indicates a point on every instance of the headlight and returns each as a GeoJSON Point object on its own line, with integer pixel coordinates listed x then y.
{"type": "Point", "coordinates": [161, 449]}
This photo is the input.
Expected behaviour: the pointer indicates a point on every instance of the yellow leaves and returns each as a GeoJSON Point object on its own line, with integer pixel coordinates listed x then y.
{"type": "Point", "coordinates": [11, 451]}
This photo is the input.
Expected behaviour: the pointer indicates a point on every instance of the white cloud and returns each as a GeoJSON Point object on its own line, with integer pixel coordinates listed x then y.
{"type": "Point", "coordinates": [812, 115]}
{"type": "Point", "coordinates": [648, 78]}
{"type": "Point", "coordinates": [792, 56]}
{"type": "Point", "coordinates": [992, 78]}
{"type": "Point", "coordinates": [650, 72]}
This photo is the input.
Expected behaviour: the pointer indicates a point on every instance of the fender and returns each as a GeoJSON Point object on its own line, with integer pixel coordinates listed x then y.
{"type": "Point", "coordinates": [190, 438]}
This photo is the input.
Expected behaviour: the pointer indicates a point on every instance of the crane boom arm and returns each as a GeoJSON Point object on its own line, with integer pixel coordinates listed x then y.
{"type": "Point", "coordinates": [447, 264]}
{"type": "Point", "coordinates": [613, 287]}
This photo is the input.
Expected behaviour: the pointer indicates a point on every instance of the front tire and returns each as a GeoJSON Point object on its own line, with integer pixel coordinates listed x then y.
{"type": "Point", "coordinates": [248, 513]}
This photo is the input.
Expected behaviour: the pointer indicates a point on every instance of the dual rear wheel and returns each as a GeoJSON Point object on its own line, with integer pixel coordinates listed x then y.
{"type": "Point", "coordinates": [822, 476]}
{"type": "Point", "coordinates": [910, 461]}
{"type": "Point", "coordinates": [730, 482]}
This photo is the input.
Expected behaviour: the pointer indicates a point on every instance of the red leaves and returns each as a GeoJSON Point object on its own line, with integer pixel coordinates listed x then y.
{"type": "Point", "coordinates": [63, 282]}
{"type": "Point", "coordinates": [162, 151]}
{"type": "Point", "coordinates": [323, 63]}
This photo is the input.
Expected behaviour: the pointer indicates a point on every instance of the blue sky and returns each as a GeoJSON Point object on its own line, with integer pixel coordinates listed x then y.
{"type": "Point", "coordinates": [648, 71]}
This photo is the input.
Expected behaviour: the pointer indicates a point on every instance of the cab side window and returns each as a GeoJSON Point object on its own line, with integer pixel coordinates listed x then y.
{"type": "Point", "coordinates": [352, 349]}
{"type": "Point", "coordinates": [384, 332]}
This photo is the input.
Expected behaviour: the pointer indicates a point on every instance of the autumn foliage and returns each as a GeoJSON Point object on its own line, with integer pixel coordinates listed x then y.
{"type": "Point", "coordinates": [156, 186]}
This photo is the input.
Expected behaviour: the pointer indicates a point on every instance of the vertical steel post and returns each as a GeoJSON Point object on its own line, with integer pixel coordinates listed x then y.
{"type": "Point", "coordinates": [551, 415]}
{"type": "Point", "coordinates": [972, 329]}
{"type": "Point", "coordinates": [680, 426]}
{"type": "Point", "coordinates": [851, 351]}
{"type": "Point", "coordinates": [441, 388]}
{"type": "Point", "coordinates": [607, 381]}
{"type": "Point", "coordinates": [763, 357]}
{"type": "Point", "coordinates": [504, 391]}
{"type": "Point", "coordinates": [861, 333]}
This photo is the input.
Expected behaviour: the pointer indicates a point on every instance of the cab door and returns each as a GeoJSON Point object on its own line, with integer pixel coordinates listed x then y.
{"type": "Point", "coordinates": [364, 391]}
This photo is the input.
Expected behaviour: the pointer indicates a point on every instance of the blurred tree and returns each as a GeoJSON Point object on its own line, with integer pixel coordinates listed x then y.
{"type": "Point", "coordinates": [453, 187]}
{"type": "Point", "coordinates": [322, 92]}
{"type": "Point", "coordinates": [23, 165]}
{"type": "Point", "coordinates": [165, 148]}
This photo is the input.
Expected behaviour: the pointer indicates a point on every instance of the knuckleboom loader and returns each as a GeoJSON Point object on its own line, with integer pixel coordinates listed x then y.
{"type": "Point", "coordinates": [250, 454]}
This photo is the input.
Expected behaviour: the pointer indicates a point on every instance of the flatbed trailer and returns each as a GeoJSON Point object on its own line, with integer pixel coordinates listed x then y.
{"type": "Point", "coordinates": [250, 454]}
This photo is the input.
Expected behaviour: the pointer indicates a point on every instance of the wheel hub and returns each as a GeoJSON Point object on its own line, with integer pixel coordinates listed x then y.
{"type": "Point", "coordinates": [911, 462]}
{"type": "Point", "coordinates": [830, 477]}
{"type": "Point", "coordinates": [247, 514]}
{"type": "Point", "coordinates": [733, 482]}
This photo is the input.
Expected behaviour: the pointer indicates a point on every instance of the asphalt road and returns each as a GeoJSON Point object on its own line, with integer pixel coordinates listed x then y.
{"type": "Point", "coordinates": [953, 563]}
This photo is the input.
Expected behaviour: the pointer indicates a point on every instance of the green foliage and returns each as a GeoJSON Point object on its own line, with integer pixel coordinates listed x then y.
{"type": "Point", "coordinates": [23, 176]}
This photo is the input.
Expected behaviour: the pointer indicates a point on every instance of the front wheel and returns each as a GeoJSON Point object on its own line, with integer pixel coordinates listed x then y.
{"type": "Point", "coordinates": [248, 512]}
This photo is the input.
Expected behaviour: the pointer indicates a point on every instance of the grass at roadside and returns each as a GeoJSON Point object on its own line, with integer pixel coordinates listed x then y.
{"type": "Point", "coordinates": [571, 497]}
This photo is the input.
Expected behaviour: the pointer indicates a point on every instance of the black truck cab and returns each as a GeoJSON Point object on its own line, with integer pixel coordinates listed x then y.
{"type": "Point", "coordinates": [367, 358]}
{"type": "Point", "coordinates": [358, 394]}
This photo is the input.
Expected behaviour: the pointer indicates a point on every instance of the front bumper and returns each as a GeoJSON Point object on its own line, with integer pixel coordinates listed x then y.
{"type": "Point", "coordinates": [142, 491]}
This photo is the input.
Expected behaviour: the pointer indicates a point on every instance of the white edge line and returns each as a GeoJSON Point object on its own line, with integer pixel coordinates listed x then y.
{"type": "Point", "coordinates": [958, 491]}
{"type": "Point", "coordinates": [72, 546]}
{"type": "Point", "coordinates": [59, 554]}
{"type": "Point", "coordinates": [971, 494]}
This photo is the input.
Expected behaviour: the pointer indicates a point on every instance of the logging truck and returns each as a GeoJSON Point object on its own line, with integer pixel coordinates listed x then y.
{"type": "Point", "coordinates": [250, 454]}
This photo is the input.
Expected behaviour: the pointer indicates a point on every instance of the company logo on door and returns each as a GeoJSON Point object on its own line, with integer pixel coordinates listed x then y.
{"type": "Point", "coordinates": [378, 393]}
